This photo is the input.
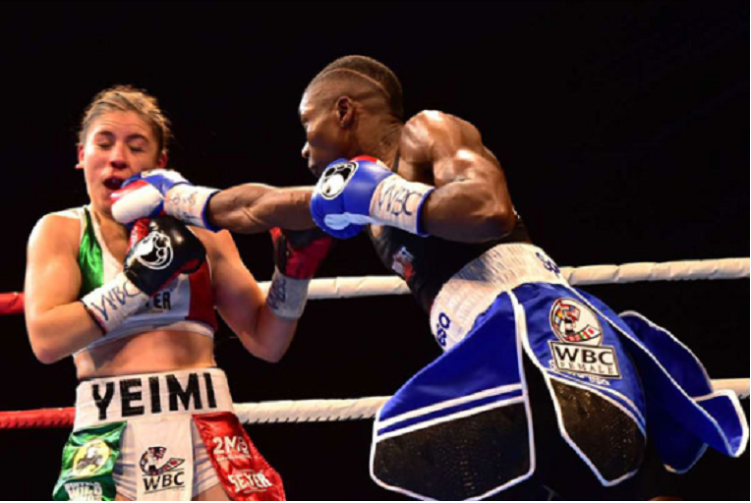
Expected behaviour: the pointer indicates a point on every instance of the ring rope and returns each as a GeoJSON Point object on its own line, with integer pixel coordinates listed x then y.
{"type": "Point", "coordinates": [345, 287]}
{"type": "Point", "coordinates": [367, 286]}
{"type": "Point", "coordinates": [685, 270]}
{"type": "Point", "coordinates": [11, 303]}
{"type": "Point", "coordinates": [285, 411]}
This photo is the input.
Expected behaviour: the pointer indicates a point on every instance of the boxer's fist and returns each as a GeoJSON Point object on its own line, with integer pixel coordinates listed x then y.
{"type": "Point", "coordinates": [162, 191]}
{"type": "Point", "coordinates": [298, 254]}
{"type": "Point", "coordinates": [142, 195]}
{"type": "Point", "coordinates": [162, 248]}
{"type": "Point", "coordinates": [341, 200]}
{"type": "Point", "coordinates": [352, 194]}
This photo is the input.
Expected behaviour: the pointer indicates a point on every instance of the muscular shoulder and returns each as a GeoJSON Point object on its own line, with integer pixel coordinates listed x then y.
{"type": "Point", "coordinates": [432, 134]}
{"type": "Point", "coordinates": [57, 231]}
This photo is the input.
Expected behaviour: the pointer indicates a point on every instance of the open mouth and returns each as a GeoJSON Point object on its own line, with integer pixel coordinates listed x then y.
{"type": "Point", "coordinates": [113, 183]}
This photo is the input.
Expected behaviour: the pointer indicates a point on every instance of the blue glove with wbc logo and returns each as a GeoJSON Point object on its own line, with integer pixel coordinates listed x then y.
{"type": "Point", "coordinates": [352, 194]}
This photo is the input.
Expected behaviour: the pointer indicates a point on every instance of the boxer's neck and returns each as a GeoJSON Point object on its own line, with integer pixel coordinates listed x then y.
{"type": "Point", "coordinates": [385, 148]}
{"type": "Point", "coordinates": [114, 234]}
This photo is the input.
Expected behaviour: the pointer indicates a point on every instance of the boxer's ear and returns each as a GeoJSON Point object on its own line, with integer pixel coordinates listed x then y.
{"type": "Point", "coordinates": [345, 111]}
{"type": "Point", "coordinates": [162, 161]}
{"type": "Point", "coordinates": [80, 157]}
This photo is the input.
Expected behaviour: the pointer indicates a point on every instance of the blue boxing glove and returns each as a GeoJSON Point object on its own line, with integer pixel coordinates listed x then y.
{"type": "Point", "coordinates": [161, 192]}
{"type": "Point", "coordinates": [352, 194]}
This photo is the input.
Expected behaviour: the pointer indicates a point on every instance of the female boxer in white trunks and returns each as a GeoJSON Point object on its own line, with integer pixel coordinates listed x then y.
{"type": "Point", "coordinates": [153, 414]}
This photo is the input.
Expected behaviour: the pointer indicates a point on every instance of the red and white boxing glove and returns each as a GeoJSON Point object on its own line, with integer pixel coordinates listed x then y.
{"type": "Point", "coordinates": [297, 256]}
{"type": "Point", "coordinates": [162, 192]}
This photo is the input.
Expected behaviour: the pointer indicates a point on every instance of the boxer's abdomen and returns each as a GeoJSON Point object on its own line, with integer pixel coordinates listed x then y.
{"type": "Point", "coordinates": [427, 263]}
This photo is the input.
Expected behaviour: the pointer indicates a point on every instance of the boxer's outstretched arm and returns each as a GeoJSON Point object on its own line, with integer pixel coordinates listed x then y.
{"type": "Point", "coordinates": [253, 208]}
{"type": "Point", "coordinates": [471, 202]}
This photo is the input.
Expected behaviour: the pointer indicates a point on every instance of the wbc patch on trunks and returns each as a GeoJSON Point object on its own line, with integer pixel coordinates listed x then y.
{"type": "Point", "coordinates": [160, 472]}
{"type": "Point", "coordinates": [579, 348]}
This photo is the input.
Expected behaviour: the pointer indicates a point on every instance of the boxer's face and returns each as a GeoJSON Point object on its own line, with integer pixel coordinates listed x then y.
{"type": "Point", "coordinates": [117, 146]}
{"type": "Point", "coordinates": [326, 140]}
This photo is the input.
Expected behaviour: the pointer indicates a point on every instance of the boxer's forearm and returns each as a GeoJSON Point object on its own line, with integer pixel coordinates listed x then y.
{"type": "Point", "coordinates": [61, 331]}
{"type": "Point", "coordinates": [271, 336]}
{"type": "Point", "coordinates": [253, 208]}
{"type": "Point", "coordinates": [466, 212]}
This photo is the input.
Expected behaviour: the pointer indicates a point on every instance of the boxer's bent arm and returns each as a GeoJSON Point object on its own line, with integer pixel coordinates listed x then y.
{"type": "Point", "coordinates": [253, 208]}
{"type": "Point", "coordinates": [471, 202]}
{"type": "Point", "coordinates": [242, 304]}
{"type": "Point", "coordinates": [57, 323]}
{"type": "Point", "coordinates": [471, 208]}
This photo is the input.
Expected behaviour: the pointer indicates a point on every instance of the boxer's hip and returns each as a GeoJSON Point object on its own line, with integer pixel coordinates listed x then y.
{"type": "Point", "coordinates": [474, 289]}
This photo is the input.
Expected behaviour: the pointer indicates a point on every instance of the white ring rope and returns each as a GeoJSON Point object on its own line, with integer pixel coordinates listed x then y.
{"type": "Point", "coordinates": [366, 408]}
{"type": "Point", "coordinates": [311, 411]}
{"type": "Point", "coordinates": [729, 268]}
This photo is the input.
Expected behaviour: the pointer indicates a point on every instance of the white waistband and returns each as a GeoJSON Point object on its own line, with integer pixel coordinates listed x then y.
{"type": "Point", "coordinates": [472, 290]}
{"type": "Point", "coordinates": [124, 398]}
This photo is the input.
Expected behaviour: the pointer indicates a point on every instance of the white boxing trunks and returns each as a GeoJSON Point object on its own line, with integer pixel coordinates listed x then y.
{"type": "Point", "coordinates": [161, 437]}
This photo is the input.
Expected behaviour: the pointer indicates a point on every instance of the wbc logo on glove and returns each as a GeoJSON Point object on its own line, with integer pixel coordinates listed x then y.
{"type": "Point", "coordinates": [155, 251]}
{"type": "Point", "coordinates": [335, 178]}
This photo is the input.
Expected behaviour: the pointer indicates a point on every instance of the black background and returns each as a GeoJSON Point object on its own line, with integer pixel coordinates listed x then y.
{"type": "Point", "coordinates": [622, 128]}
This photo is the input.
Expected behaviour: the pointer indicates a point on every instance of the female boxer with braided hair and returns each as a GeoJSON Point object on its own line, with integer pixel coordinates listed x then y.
{"type": "Point", "coordinates": [134, 306]}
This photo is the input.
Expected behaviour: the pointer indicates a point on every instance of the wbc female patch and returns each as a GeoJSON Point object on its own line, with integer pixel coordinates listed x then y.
{"type": "Point", "coordinates": [579, 348]}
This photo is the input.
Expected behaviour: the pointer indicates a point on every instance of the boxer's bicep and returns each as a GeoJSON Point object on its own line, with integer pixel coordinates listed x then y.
{"type": "Point", "coordinates": [56, 322]}
{"type": "Point", "coordinates": [53, 277]}
{"type": "Point", "coordinates": [471, 202]}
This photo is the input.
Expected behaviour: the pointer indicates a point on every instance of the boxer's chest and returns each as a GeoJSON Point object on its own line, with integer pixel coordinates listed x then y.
{"type": "Point", "coordinates": [115, 240]}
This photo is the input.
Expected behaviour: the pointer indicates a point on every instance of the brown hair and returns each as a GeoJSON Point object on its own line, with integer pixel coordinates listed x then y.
{"type": "Point", "coordinates": [125, 98]}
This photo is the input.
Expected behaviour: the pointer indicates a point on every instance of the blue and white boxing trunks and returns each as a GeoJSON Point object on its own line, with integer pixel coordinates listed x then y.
{"type": "Point", "coordinates": [462, 427]}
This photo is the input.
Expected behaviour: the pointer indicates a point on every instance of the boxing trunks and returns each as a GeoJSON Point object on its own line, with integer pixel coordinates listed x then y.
{"type": "Point", "coordinates": [462, 428]}
{"type": "Point", "coordinates": [161, 437]}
